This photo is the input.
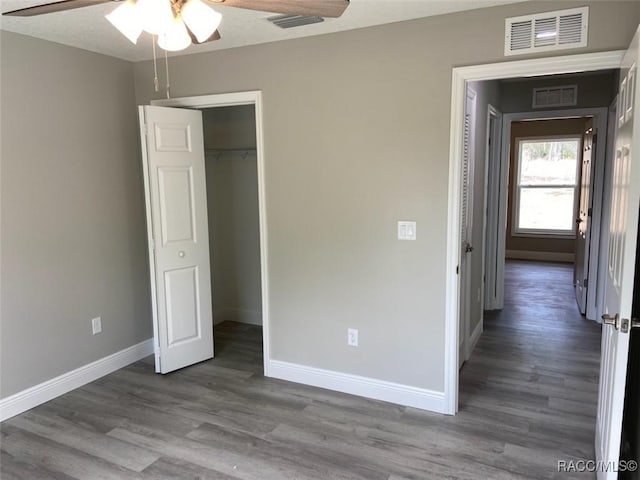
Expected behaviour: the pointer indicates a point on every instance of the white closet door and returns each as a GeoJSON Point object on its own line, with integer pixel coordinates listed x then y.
{"type": "Point", "coordinates": [173, 156]}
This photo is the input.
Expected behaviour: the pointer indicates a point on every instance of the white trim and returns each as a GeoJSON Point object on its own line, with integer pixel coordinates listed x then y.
{"type": "Point", "coordinates": [540, 256]}
{"type": "Point", "coordinates": [471, 109]}
{"type": "Point", "coordinates": [491, 192]}
{"type": "Point", "coordinates": [362, 386]}
{"type": "Point", "coordinates": [226, 100]}
{"type": "Point", "coordinates": [215, 100]}
{"type": "Point", "coordinates": [605, 211]}
{"type": "Point", "coordinates": [461, 75]}
{"type": "Point", "coordinates": [150, 241]}
{"type": "Point", "coordinates": [45, 391]}
{"type": "Point", "coordinates": [240, 315]}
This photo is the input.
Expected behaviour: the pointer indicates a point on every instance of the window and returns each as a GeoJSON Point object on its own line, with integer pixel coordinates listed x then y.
{"type": "Point", "coordinates": [547, 185]}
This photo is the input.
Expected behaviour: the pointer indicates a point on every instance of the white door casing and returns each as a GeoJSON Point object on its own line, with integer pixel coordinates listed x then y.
{"type": "Point", "coordinates": [491, 199]}
{"type": "Point", "coordinates": [177, 225]}
{"type": "Point", "coordinates": [607, 175]}
{"type": "Point", "coordinates": [466, 227]}
{"type": "Point", "coordinates": [583, 218]}
{"type": "Point", "coordinates": [619, 283]}
{"type": "Point", "coordinates": [460, 76]}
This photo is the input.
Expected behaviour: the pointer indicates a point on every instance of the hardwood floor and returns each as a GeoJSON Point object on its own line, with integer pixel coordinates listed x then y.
{"type": "Point", "coordinates": [527, 400]}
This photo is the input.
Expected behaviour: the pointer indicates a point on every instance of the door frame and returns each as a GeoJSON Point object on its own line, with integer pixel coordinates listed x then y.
{"type": "Point", "coordinates": [460, 76]}
{"type": "Point", "coordinates": [254, 98]}
{"type": "Point", "coordinates": [490, 225]}
{"type": "Point", "coordinates": [600, 117]}
{"type": "Point", "coordinates": [465, 347]}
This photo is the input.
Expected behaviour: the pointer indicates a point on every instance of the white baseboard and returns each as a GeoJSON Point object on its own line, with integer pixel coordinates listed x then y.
{"type": "Point", "coordinates": [356, 385]}
{"type": "Point", "coordinates": [540, 256]}
{"type": "Point", "coordinates": [39, 394]}
{"type": "Point", "coordinates": [473, 339]}
{"type": "Point", "coordinates": [240, 315]}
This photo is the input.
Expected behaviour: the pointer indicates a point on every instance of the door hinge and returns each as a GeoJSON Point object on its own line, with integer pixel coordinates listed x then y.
{"type": "Point", "coordinates": [145, 129]}
{"type": "Point", "coordinates": [457, 269]}
{"type": "Point", "coordinates": [590, 212]}
{"type": "Point", "coordinates": [152, 244]}
{"type": "Point", "coordinates": [585, 283]}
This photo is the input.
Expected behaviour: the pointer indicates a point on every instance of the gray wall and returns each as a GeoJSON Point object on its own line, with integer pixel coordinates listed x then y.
{"type": "Point", "coordinates": [594, 90]}
{"type": "Point", "coordinates": [488, 93]}
{"type": "Point", "coordinates": [72, 220]}
{"type": "Point", "coordinates": [357, 138]}
{"type": "Point", "coordinates": [232, 196]}
{"type": "Point", "coordinates": [230, 127]}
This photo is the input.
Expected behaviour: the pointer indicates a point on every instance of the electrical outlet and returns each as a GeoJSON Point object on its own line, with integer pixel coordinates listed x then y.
{"type": "Point", "coordinates": [352, 337]}
{"type": "Point", "coordinates": [96, 325]}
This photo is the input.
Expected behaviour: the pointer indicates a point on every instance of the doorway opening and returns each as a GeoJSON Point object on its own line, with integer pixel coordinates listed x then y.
{"type": "Point", "coordinates": [229, 167]}
{"type": "Point", "coordinates": [536, 248]}
{"type": "Point", "coordinates": [462, 78]}
{"type": "Point", "coordinates": [234, 234]}
{"type": "Point", "coordinates": [621, 230]}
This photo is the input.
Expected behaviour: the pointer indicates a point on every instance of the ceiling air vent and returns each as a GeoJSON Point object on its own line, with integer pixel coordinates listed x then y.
{"type": "Point", "coordinates": [565, 96]}
{"type": "Point", "coordinates": [541, 32]}
{"type": "Point", "coordinates": [291, 21]}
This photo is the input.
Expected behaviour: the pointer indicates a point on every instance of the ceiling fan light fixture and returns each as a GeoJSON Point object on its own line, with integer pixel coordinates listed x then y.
{"type": "Point", "coordinates": [125, 18]}
{"type": "Point", "coordinates": [156, 16]}
{"type": "Point", "coordinates": [201, 19]}
{"type": "Point", "coordinates": [176, 37]}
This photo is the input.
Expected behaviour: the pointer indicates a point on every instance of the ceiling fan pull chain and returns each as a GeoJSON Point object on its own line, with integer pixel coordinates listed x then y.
{"type": "Point", "coordinates": [166, 64]}
{"type": "Point", "coordinates": [155, 65]}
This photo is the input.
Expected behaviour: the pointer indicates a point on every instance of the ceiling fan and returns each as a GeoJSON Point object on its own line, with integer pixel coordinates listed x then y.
{"type": "Point", "coordinates": [178, 23]}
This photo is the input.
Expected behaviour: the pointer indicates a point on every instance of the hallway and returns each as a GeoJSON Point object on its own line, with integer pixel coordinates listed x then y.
{"type": "Point", "coordinates": [535, 369]}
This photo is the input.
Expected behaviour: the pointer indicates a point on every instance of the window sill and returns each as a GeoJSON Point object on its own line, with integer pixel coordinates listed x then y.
{"type": "Point", "coordinates": [547, 235]}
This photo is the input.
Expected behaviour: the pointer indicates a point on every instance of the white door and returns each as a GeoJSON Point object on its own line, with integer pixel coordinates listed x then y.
{"type": "Point", "coordinates": [583, 219]}
{"type": "Point", "coordinates": [623, 231]}
{"type": "Point", "coordinates": [176, 199]}
{"type": "Point", "coordinates": [466, 227]}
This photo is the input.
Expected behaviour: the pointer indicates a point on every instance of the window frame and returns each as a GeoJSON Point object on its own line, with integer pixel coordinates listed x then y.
{"type": "Point", "coordinates": [538, 233]}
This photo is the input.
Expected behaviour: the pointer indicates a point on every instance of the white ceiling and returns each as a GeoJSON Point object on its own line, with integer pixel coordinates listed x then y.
{"type": "Point", "coordinates": [88, 29]}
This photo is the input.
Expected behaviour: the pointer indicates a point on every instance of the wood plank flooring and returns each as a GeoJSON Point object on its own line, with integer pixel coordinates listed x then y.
{"type": "Point", "coordinates": [527, 399]}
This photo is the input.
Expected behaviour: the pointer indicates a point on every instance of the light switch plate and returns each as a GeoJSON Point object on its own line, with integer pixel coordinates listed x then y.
{"type": "Point", "coordinates": [96, 325]}
{"type": "Point", "coordinates": [406, 230]}
{"type": "Point", "coordinates": [352, 337]}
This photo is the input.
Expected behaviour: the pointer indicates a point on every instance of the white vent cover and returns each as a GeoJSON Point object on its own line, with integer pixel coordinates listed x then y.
{"type": "Point", "coordinates": [564, 96]}
{"type": "Point", "coordinates": [292, 21]}
{"type": "Point", "coordinates": [541, 32]}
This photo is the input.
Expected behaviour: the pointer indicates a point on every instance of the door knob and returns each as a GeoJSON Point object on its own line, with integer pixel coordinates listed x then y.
{"type": "Point", "coordinates": [181, 254]}
{"type": "Point", "coordinates": [622, 324]}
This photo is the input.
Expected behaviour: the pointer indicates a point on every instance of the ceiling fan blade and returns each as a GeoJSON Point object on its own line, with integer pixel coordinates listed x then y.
{"type": "Point", "coordinates": [214, 36]}
{"type": "Point", "coordinates": [307, 8]}
{"type": "Point", "coordinates": [54, 7]}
